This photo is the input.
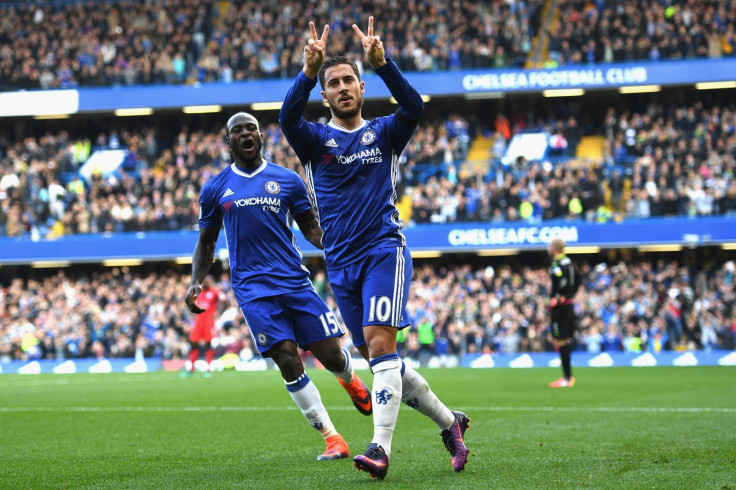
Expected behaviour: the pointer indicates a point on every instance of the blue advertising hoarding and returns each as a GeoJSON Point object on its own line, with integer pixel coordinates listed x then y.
{"type": "Point", "coordinates": [629, 233]}
{"type": "Point", "coordinates": [505, 80]}
{"type": "Point", "coordinates": [602, 359]}
{"type": "Point", "coordinates": [481, 361]}
{"type": "Point", "coordinates": [452, 238]}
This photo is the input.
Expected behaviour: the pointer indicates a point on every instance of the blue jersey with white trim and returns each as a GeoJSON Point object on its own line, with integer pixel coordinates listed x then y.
{"type": "Point", "coordinates": [255, 210]}
{"type": "Point", "coordinates": [352, 174]}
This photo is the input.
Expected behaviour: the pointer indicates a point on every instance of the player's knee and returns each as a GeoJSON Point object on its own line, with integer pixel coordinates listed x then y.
{"type": "Point", "coordinates": [381, 340]}
{"type": "Point", "coordinates": [287, 359]}
{"type": "Point", "coordinates": [381, 345]}
{"type": "Point", "coordinates": [329, 353]}
{"type": "Point", "coordinates": [291, 367]}
{"type": "Point", "coordinates": [334, 361]}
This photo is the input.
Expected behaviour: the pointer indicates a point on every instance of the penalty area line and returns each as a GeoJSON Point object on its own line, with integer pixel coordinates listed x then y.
{"type": "Point", "coordinates": [350, 408]}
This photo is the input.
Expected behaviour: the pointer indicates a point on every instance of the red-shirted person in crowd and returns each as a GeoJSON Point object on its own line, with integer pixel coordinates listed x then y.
{"type": "Point", "coordinates": [203, 330]}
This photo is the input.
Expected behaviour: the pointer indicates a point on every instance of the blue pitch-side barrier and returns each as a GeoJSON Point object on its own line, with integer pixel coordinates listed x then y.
{"type": "Point", "coordinates": [536, 359]}
{"type": "Point", "coordinates": [103, 366]}
{"type": "Point", "coordinates": [461, 82]}
{"type": "Point", "coordinates": [602, 359]}
{"type": "Point", "coordinates": [458, 237]}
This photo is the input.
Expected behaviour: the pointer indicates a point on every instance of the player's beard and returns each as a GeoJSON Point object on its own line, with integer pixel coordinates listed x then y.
{"type": "Point", "coordinates": [347, 113]}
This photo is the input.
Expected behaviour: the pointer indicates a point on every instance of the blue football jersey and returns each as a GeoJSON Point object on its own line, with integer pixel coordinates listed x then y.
{"type": "Point", "coordinates": [352, 174]}
{"type": "Point", "coordinates": [255, 209]}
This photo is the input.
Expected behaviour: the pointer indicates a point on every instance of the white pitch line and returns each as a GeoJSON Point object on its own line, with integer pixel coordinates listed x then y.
{"type": "Point", "coordinates": [347, 408]}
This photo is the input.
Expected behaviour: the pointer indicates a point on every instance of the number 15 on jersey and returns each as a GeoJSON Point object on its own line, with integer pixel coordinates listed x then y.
{"type": "Point", "coordinates": [330, 323]}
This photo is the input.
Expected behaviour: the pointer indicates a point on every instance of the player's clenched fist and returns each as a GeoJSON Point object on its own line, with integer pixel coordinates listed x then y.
{"type": "Point", "coordinates": [314, 51]}
{"type": "Point", "coordinates": [372, 45]}
{"type": "Point", "coordinates": [191, 299]}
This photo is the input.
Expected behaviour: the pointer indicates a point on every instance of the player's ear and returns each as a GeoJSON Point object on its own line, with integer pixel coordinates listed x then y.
{"type": "Point", "coordinates": [324, 97]}
{"type": "Point", "coordinates": [362, 87]}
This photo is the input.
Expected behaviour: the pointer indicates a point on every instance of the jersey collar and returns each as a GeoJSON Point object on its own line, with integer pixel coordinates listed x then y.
{"type": "Point", "coordinates": [246, 174]}
{"type": "Point", "coordinates": [334, 125]}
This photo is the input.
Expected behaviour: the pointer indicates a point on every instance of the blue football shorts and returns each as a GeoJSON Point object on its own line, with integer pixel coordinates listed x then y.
{"type": "Point", "coordinates": [301, 317]}
{"type": "Point", "coordinates": [374, 290]}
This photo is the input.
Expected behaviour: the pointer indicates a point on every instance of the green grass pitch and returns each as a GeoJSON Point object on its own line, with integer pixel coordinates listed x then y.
{"type": "Point", "coordinates": [618, 428]}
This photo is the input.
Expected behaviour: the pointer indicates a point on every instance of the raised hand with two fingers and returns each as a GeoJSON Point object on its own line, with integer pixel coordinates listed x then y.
{"type": "Point", "coordinates": [314, 51]}
{"type": "Point", "coordinates": [372, 45]}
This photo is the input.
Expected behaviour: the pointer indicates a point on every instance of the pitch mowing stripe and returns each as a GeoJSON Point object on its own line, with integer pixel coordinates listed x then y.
{"type": "Point", "coordinates": [346, 408]}
{"type": "Point", "coordinates": [78, 380]}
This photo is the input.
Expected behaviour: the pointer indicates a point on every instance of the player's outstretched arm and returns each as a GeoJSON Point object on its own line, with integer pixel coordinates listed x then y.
{"type": "Point", "coordinates": [204, 253]}
{"type": "Point", "coordinates": [314, 51]}
{"type": "Point", "coordinates": [309, 225]}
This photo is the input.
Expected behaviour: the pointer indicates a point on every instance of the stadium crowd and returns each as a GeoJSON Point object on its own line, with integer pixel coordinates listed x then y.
{"type": "Point", "coordinates": [679, 162]}
{"type": "Point", "coordinates": [257, 40]}
{"type": "Point", "coordinates": [622, 306]}
{"type": "Point", "coordinates": [162, 193]}
{"type": "Point", "coordinates": [141, 42]}
{"type": "Point", "coordinates": [628, 30]}
{"type": "Point", "coordinates": [656, 163]}
{"type": "Point", "coordinates": [455, 309]}
{"type": "Point", "coordinates": [101, 43]}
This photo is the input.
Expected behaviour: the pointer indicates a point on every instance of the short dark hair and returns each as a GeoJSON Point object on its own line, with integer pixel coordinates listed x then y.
{"type": "Point", "coordinates": [333, 61]}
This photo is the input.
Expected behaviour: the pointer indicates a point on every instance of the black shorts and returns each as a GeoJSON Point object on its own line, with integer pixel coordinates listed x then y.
{"type": "Point", "coordinates": [564, 322]}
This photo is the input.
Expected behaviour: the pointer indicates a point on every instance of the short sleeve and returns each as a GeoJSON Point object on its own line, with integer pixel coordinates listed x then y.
{"type": "Point", "coordinates": [300, 202]}
{"type": "Point", "coordinates": [209, 212]}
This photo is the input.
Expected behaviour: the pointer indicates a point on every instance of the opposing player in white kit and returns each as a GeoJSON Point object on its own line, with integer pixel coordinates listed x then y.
{"type": "Point", "coordinates": [352, 167]}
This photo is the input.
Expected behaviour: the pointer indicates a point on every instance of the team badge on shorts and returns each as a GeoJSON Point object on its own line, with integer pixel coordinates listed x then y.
{"type": "Point", "coordinates": [272, 187]}
{"type": "Point", "coordinates": [262, 339]}
{"type": "Point", "coordinates": [368, 137]}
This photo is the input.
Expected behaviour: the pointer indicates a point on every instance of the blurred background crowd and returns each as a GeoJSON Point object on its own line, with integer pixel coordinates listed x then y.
{"type": "Point", "coordinates": [668, 161]}
{"type": "Point", "coordinates": [604, 32]}
{"type": "Point", "coordinates": [144, 42]}
{"type": "Point", "coordinates": [455, 308]}
{"type": "Point", "coordinates": [129, 42]}
{"type": "Point", "coordinates": [671, 154]}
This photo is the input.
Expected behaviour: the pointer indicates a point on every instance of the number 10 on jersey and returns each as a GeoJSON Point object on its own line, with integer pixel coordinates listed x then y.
{"type": "Point", "coordinates": [330, 323]}
{"type": "Point", "coordinates": [380, 309]}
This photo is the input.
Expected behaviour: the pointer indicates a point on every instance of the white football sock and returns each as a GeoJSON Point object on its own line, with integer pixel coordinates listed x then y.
{"type": "Point", "coordinates": [418, 395]}
{"type": "Point", "coordinates": [347, 373]}
{"type": "Point", "coordinates": [306, 396]}
{"type": "Point", "coordinates": [386, 398]}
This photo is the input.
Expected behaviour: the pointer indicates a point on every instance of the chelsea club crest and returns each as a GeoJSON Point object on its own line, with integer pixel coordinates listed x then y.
{"type": "Point", "coordinates": [262, 339]}
{"type": "Point", "coordinates": [272, 187]}
{"type": "Point", "coordinates": [368, 137]}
